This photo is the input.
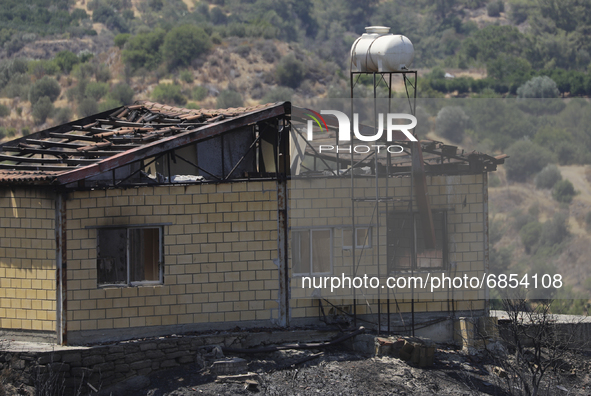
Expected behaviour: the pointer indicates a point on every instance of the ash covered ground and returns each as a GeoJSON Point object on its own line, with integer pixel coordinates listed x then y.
{"type": "Point", "coordinates": [338, 371]}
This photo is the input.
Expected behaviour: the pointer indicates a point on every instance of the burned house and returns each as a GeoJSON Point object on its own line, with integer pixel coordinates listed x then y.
{"type": "Point", "coordinates": [152, 220]}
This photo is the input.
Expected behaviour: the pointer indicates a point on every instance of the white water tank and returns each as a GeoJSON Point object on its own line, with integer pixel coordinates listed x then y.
{"type": "Point", "coordinates": [380, 51]}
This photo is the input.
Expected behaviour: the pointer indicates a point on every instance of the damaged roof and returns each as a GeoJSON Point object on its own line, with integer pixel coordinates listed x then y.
{"type": "Point", "coordinates": [106, 141]}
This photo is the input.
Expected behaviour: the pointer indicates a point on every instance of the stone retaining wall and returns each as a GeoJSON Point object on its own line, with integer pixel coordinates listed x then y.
{"type": "Point", "coordinates": [103, 365]}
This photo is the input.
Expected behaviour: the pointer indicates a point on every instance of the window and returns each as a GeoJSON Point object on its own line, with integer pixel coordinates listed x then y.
{"type": "Point", "coordinates": [128, 256]}
{"type": "Point", "coordinates": [400, 242]}
{"type": "Point", "coordinates": [311, 251]}
{"type": "Point", "coordinates": [362, 238]}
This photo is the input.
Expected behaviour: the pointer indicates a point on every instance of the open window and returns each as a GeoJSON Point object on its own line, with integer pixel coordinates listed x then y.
{"type": "Point", "coordinates": [129, 256]}
{"type": "Point", "coordinates": [403, 238]}
{"type": "Point", "coordinates": [311, 251]}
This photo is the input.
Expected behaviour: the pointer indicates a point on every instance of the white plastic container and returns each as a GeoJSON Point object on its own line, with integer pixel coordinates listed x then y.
{"type": "Point", "coordinates": [380, 51]}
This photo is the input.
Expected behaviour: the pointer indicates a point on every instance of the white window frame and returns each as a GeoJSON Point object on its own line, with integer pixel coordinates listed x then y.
{"type": "Point", "coordinates": [350, 247]}
{"type": "Point", "coordinates": [310, 232]}
{"type": "Point", "coordinates": [128, 282]}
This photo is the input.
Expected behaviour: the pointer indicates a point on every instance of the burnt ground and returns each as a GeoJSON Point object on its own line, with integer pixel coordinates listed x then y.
{"type": "Point", "coordinates": [339, 371]}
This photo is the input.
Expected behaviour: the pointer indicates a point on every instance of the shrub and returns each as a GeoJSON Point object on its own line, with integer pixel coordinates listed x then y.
{"type": "Point", "coordinates": [26, 131]}
{"type": "Point", "coordinates": [169, 94]}
{"type": "Point", "coordinates": [290, 71]}
{"type": "Point", "coordinates": [62, 115]}
{"type": "Point", "coordinates": [556, 230]}
{"type": "Point", "coordinates": [42, 109]}
{"type": "Point", "coordinates": [548, 177]}
{"type": "Point", "coordinates": [279, 94]}
{"type": "Point", "coordinates": [530, 234]}
{"type": "Point", "coordinates": [47, 86]}
{"type": "Point", "coordinates": [87, 107]}
{"type": "Point", "coordinates": [538, 87]}
{"type": "Point", "coordinates": [563, 191]}
{"type": "Point", "coordinates": [451, 122]}
{"type": "Point", "coordinates": [121, 39]}
{"type": "Point", "coordinates": [96, 90]}
{"type": "Point", "coordinates": [199, 93]}
{"type": "Point", "coordinates": [66, 61]}
{"type": "Point", "coordinates": [183, 44]}
{"type": "Point", "coordinates": [525, 159]}
{"type": "Point", "coordinates": [122, 93]}
{"type": "Point", "coordinates": [108, 105]}
{"type": "Point", "coordinates": [192, 106]}
{"type": "Point", "coordinates": [18, 86]}
{"type": "Point", "coordinates": [229, 98]}
{"type": "Point", "coordinates": [102, 73]}
{"type": "Point", "coordinates": [186, 76]}
{"type": "Point", "coordinates": [4, 111]}
{"type": "Point", "coordinates": [495, 8]}
{"type": "Point", "coordinates": [588, 220]}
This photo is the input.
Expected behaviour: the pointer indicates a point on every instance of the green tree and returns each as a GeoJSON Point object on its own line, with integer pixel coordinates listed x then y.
{"type": "Point", "coordinates": [96, 90]}
{"type": "Point", "coordinates": [563, 191]}
{"type": "Point", "coordinates": [47, 86]}
{"type": "Point", "coordinates": [525, 159]}
{"type": "Point", "coordinates": [539, 87]}
{"type": "Point", "coordinates": [229, 98]}
{"type": "Point", "coordinates": [122, 93]}
{"type": "Point", "coordinates": [556, 230]}
{"type": "Point", "coordinates": [87, 107]}
{"type": "Point", "coordinates": [62, 115]}
{"type": "Point", "coordinates": [169, 94]}
{"type": "Point", "coordinates": [4, 111]}
{"type": "Point", "coordinates": [183, 44]}
{"type": "Point", "coordinates": [548, 177]}
{"type": "Point", "coordinates": [290, 71]}
{"type": "Point", "coordinates": [143, 50]}
{"type": "Point", "coordinates": [42, 109]}
{"type": "Point", "coordinates": [530, 235]}
{"type": "Point", "coordinates": [66, 61]}
{"type": "Point", "coordinates": [451, 122]}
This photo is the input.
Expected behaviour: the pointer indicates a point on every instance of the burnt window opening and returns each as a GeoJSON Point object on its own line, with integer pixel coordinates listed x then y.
{"type": "Point", "coordinates": [400, 242]}
{"type": "Point", "coordinates": [311, 252]}
{"type": "Point", "coordinates": [129, 256]}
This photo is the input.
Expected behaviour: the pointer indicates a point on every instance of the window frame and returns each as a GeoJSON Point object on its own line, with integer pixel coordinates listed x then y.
{"type": "Point", "coordinates": [311, 262]}
{"type": "Point", "coordinates": [128, 282]}
{"type": "Point", "coordinates": [350, 247]}
{"type": "Point", "coordinates": [414, 266]}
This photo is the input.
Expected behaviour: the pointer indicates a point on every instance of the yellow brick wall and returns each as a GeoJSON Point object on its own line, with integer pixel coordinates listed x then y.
{"type": "Point", "coordinates": [218, 255]}
{"type": "Point", "coordinates": [27, 259]}
{"type": "Point", "coordinates": [219, 250]}
{"type": "Point", "coordinates": [316, 203]}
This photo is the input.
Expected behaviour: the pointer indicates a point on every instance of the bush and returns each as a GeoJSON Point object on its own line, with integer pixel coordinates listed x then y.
{"type": "Point", "coordinates": [495, 8]}
{"type": "Point", "coordinates": [18, 86]}
{"type": "Point", "coordinates": [192, 106]}
{"type": "Point", "coordinates": [47, 86]}
{"type": "Point", "coordinates": [556, 230]}
{"type": "Point", "coordinates": [279, 94]}
{"type": "Point", "coordinates": [229, 98]}
{"type": "Point", "coordinates": [183, 44]}
{"type": "Point", "coordinates": [4, 111]}
{"type": "Point", "coordinates": [87, 107]}
{"type": "Point", "coordinates": [66, 60]}
{"type": "Point", "coordinates": [96, 90]}
{"type": "Point", "coordinates": [108, 105]}
{"type": "Point", "coordinates": [102, 73]}
{"type": "Point", "coordinates": [122, 93]}
{"type": "Point", "coordinates": [538, 87]}
{"type": "Point", "coordinates": [199, 93]}
{"type": "Point", "coordinates": [563, 191]}
{"type": "Point", "coordinates": [290, 71]}
{"type": "Point", "coordinates": [121, 39]}
{"type": "Point", "coordinates": [525, 159]}
{"type": "Point", "coordinates": [62, 115]}
{"type": "Point", "coordinates": [548, 177]}
{"type": "Point", "coordinates": [451, 122]}
{"type": "Point", "coordinates": [186, 76]}
{"type": "Point", "coordinates": [530, 234]}
{"type": "Point", "coordinates": [42, 109]}
{"type": "Point", "coordinates": [26, 131]}
{"type": "Point", "coordinates": [169, 94]}
{"type": "Point", "coordinates": [588, 220]}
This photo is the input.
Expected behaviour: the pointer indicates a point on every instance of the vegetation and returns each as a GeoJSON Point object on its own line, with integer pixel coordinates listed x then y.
{"type": "Point", "coordinates": [548, 177]}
